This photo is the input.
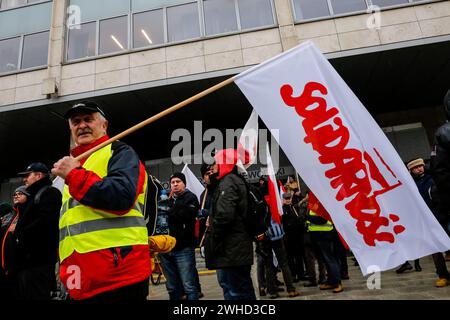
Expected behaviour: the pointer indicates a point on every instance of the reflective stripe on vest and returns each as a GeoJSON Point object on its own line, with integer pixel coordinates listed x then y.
{"type": "Point", "coordinates": [318, 227]}
{"type": "Point", "coordinates": [84, 229]}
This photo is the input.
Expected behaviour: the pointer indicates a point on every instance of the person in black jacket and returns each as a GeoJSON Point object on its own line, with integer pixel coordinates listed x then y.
{"type": "Point", "coordinates": [440, 166]}
{"type": "Point", "coordinates": [228, 245]}
{"type": "Point", "coordinates": [440, 162]}
{"type": "Point", "coordinates": [36, 235]}
{"type": "Point", "coordinates": [179, 264]}
{"type": "Point", "coordinates": [427, 190]}
{"type": "Point", "coordinates": [7, 217]}
{"type": "Point", "coordinates": [294, 224]}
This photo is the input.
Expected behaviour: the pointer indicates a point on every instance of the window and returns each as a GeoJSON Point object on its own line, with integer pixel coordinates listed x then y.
{"type": "Point", "coordinates": [316, 9]}
{"type": "Point", "coordinates": [387, 3]}
{"type": "Point", "coordinates": [24, 35]}
{"type": "Point", "coordinates": [35, 50]}
{"type": "Point", "coordinates": [345, 6]}
{"type": "Point", "coordinates": [81, 41]}
{"type": "Point", "coordinates": [255, 13]}
{"type": "Point", "coordinates": [25, 20]}
{"type": "Point", "coordinates": [182, 22]}
{"type": "Point", "coordinates": [101, 9]}
{"type": "Point", "coordinates": [113, 35]}
{"type": "Point", "coordinates": [220, 16]}
{"type": "Point", "coordinates": [148, 28]}
{"type": "Point", "coordinates": [144, 5]}
{"type": "Point", "coordinates": [309, 9]}
{"type": "Point", "coordinates": [111, 26]}
{"type": "Point", "coordinates": [9, 54]}
{"type": "Point", "coordinates": [6, 4]}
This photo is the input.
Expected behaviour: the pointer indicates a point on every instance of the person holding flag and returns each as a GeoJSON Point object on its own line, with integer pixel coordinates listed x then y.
{"type": "Point", "coordinates": [228, 245]}
{"type": "Point", "coordinates": [274, 241]}
{"type": "Point", "coordinates": [322, 233]}
{"type": "Point", "coordinates": [103, 238]}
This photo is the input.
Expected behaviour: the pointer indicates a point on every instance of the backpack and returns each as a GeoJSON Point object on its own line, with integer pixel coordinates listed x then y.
{"type": "Point", "coordinates": [257, 218]}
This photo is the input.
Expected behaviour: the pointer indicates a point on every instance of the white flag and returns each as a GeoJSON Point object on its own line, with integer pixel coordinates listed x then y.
{"type": "Point", "coordinates": [58, 183]}
{"type": "Point", "coordinates": [344, 158]}
{"type": "Point", "coordinates": [192, 183]}
{"type": "Point", "coordinates": [248, 141]}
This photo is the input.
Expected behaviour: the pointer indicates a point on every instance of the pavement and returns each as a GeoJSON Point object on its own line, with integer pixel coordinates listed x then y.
{"type": "Point", "coordinates": [410, 285]}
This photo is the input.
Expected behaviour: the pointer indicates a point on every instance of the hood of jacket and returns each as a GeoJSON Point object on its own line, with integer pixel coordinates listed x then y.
{"type": "Point", "coordinates": [226, 161]}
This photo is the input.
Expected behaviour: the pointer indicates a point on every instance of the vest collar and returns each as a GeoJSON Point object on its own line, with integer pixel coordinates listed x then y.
{"type": "Point", "coordinates": [75, 152]}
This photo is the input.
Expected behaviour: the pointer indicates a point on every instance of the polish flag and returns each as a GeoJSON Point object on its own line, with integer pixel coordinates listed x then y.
{"type": "Point", "coordinates": [282, 189]}
{"type": "Point", "coordinates": [273, 199]}
{"type": "Point", "coordinates": [248, 142]}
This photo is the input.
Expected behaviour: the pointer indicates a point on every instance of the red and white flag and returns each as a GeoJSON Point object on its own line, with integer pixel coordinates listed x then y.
{"type": "Point", "coordinates": [282, 189]}
{"type": "Point", "coordinates": [273, 199]}
{"type": "Point", "coordinates": [344, 158]}
{"type": "Point", "coordinates": [248, 142]}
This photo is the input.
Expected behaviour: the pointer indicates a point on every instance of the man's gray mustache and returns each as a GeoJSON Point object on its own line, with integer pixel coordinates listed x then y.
{"type": "Point", "coordinates": [79, 133]}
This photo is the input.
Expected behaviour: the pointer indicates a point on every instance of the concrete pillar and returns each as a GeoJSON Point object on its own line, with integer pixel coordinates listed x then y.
{"type": "Point", "coordinates": [56, 49]}
{"type": "Point", "coordinates": [286, 27]}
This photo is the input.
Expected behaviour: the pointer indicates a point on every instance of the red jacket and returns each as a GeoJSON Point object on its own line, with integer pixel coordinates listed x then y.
{"type": "Point", "coordinates": [88, 274]}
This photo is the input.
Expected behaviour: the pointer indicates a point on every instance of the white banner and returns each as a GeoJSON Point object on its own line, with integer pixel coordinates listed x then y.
{"type": "Point", "coordinates": [344, 157]}
{"type": "Point", "coordinates": [192, 182]}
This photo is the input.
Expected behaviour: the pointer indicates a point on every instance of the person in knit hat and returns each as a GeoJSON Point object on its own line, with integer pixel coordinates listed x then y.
{"type": "Point", "coordinates": [179, 264]}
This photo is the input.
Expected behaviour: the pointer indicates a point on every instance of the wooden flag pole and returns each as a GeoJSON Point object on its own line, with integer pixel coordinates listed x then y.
{"type": "Point", "coordinates": [156, 117]}
{"type": "Point", "coordinates": [204, 199]}
{"type": "Point", "coordinates": [202, 207]}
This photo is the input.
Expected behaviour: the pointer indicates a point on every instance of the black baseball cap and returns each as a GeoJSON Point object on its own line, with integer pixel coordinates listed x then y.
{"type": "Point", "coordinates": [35, 167]}
{"type": "Point", "coordinates": [86, 107]}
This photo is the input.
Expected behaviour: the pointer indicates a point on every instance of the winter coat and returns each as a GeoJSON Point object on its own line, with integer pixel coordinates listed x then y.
{"type": "Point", "coordinates": [293, 220]}
{"type": "Point", "coordinates": [111, 268]}
{"type": "Point", "coordinates": [440, 160]}
{"type": "Point", "coordinates": [37, 232]}
{"type": "Point", "coordinates": [227, 243]}
{"type": "Point", "coordinates": [182, 213]}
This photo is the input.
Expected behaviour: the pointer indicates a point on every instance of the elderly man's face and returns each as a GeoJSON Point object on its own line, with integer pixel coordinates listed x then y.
{"type": "Point", "coordinates": [32, 177]}
{"type": "Point", "coordinates": [87, 128]}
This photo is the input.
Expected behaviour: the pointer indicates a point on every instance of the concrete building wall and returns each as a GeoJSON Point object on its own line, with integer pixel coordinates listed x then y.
{"type": "Point", "coordinates": [218, 54]}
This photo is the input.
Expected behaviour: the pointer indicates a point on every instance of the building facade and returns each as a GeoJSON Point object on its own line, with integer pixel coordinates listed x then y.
{"type": "Point", "coordinates": [138, 57]}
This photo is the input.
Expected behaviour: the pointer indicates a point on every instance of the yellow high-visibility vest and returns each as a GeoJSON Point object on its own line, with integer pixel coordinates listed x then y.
{"type": "Point", "coordinates": [84, 229]}
{"type": "Point", "coordinates": [318, 227]}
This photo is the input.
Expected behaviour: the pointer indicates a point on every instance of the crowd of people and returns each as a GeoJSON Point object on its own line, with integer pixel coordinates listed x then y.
{"type": "Point", "coordinates": [95, 233]}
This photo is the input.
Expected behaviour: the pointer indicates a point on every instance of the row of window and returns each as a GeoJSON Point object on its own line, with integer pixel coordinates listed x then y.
{"type": "Point", "coordinates": [24, 52]}
{"type": "Point", "coordinates": [7, 4]}
{"type": "Point", "coordinates": [168, 24]}
{"type": "Point", "coordinates": [313, 9]}
{"type": "Point", "coordinates": [111, 26]}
